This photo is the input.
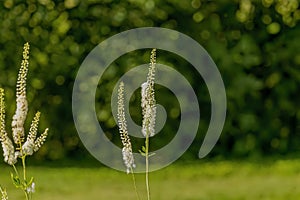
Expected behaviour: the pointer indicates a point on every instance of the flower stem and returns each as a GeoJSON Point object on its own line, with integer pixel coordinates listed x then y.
{"type": "Point", "coordinates": [26, 195]}
{"type": "Point", "coordinates": [147, 165]}
{"type": "Point", "coordinates": [24, 167]}
{"type": "Point", "coordinates": [24, 178]}
{"type": "Point", "coordinates": [16, 171]}
{"type": "Point", "coordinates": [134, 184]}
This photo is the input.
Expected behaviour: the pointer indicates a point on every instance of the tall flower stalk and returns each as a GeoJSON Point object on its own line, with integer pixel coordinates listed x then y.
{"type": "Point", "coordinates": [148, 105]}
{"type": "Point", "coordinates": [18, 148]}
{"type": "Point", "coordinates": [127, 148]}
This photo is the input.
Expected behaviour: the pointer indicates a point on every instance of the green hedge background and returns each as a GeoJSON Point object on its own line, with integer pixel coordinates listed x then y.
{"type": "Point", "coordinates": [255, 44]}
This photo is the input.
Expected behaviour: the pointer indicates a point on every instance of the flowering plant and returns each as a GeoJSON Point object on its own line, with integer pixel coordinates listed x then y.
{"type": "Point", "coordinates": [148, 105]}
{"type": "Point", "coordinates": [21, 148]}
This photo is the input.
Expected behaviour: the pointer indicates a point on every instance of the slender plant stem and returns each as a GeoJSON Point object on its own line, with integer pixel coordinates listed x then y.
{"type": "Point", "coordinates": [16, 171]}
{"type": "Point", "coordinates": [134, 184]}
{"type": "Point", "coordinates": [147, 165]}
{"type": "Point", "coordinates": [24, 176]}
{"type": "Point", "coordinates": [26, 195]}
{"type": "Point", "coordinates": [24, 167]}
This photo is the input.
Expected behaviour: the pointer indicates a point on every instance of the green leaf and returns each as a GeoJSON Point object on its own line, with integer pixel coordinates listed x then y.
{"type": "Point", "coordinates": [142, 153]}
{"type": "Point", "coordinates": [28, 183]}
{"type": "Point", "coordinates": [31, 180]}
{"type": "Point", "coordinates": [16, 180]}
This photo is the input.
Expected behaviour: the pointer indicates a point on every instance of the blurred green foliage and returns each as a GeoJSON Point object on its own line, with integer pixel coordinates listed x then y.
{"type": "Point", "coordinates": [255, 45]}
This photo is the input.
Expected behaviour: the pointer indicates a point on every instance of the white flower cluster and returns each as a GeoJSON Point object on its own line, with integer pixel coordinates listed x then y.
{"type": "Point", "coordinates": [3, 194]}
{"type": "Point", "coordinates": [127, 148]}
{"type": "Point", "coordinates": [22, 105]}
{"type": "Point", "coordinates": [7, 145]}
{"type": "Point", "coordinates": [9, 154]}
{"type": "Point", "coordinates": [32, 144]}
{"type": "Point", "coordinates": [18, 120]}
{"type": "Point", "coordinates": [128, 158]}
{"type": "Point", "coordinates": [148, 102]}
{"type": "Point", "coordinates": [31, 188]}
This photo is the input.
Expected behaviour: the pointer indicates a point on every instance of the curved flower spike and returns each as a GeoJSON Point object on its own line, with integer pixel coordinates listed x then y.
{"type": "Point", "coordinates": [22, 105]}
{"type": "Point", "coordinates": [127, 148]}
{"type": "Point", "coordinates": [7, 145]}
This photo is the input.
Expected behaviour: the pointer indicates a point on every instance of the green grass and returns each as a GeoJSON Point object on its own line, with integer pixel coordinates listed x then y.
{"type": "Point", "coordinates": [220, 180]}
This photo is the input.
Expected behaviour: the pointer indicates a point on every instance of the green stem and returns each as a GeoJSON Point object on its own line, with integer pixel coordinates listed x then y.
{"type": "Point", "coordinates": [26, 195]}
{"type": "Point", "coordinates": [24, 167]}
{"type": "Point", "coordinates": [16, 171]}
{"type": "Point", "coordinates": [134, 184]}
{"type": "Point", "coordinates": [147, 166]}
{"type": "Point", "coordinates": [24, 177]}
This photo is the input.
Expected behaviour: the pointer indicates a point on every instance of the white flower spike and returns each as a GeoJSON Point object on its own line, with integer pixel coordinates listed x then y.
{"type": "Point", "coordinates": [148, 103]}
{"type": "Point", "coordinates": [127, 148]}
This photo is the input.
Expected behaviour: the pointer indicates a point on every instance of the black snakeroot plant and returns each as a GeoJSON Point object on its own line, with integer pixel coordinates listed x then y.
{"type": "Point", "coordinates": [19, 148]}
{"type": "Point", "coordinates": [148, 105]}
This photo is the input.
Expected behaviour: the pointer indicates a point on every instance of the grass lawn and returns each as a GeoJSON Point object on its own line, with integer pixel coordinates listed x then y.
{"type": "Point", "coordinates": [219, 180]}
